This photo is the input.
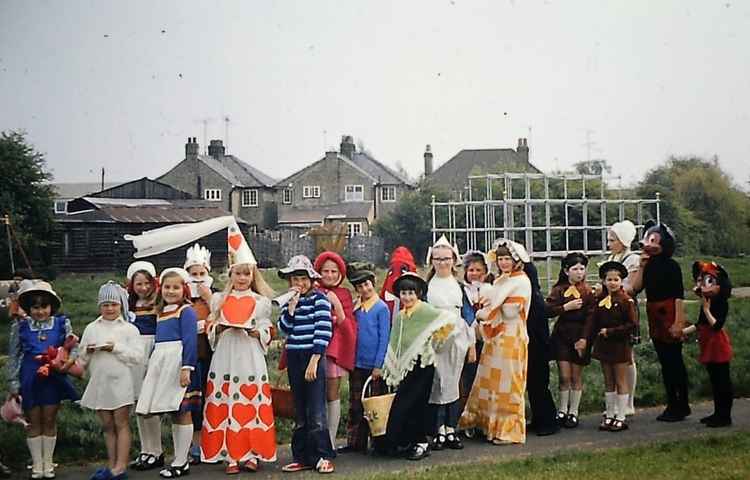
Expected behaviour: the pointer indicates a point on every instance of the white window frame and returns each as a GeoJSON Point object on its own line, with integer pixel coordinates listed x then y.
{"type": "Point", "coordinates": [353, 229]}
{"type": "Point", "coordinates": [212, 194]}
{"type": "Point", "coordinates": [311, 191]}
{"type": "Point", "coordinates": [65, 206]}
{"type": "Point", "coordinates": [286, 196]}
{"type": "Point", "coordinates": [388, 188]}
{"type": "Point", "coordinates": [354, 193]}
{"type": "Point", "coordinates": [247, 197]}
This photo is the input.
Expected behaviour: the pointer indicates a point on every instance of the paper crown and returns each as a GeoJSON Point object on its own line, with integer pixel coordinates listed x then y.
{"type": "Point", "coordinates": [239, 250]}
{"type": "Point", "coordinates": [197, 255]}
{"type": "Point", "coordinates": [443, 242]}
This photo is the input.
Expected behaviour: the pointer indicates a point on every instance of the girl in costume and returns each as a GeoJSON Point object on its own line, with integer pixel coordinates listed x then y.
{"type": "Point", "coordinates": [143, 290]}
{"type": "Point", "coordinates": [445, 292]}
{"type": "Point", "coordinates": [418, 333]}
{"type": "Point", "coordinates": [198, 266]}
{"type": "Point", "coordinates": [110, 347]}
{"type": "Point", "coordinates": [714, 289]}
{"type": "Point", "coordinates": [238, 422]}
{"type": "Point", "coordinates": [306, 320]}
{"type": "Point", "coordinates": [610, 324]}
{"type": "Point", "coordinates": [171, 384]}
{"type": "Point", "coordinates": [570, 300]}
{"type": "Point", "coordinates": [342, 348]}
{"type": "Point", "coordinates": [498, 408]}
{"type": "Point", "coordinates": [41, 393]}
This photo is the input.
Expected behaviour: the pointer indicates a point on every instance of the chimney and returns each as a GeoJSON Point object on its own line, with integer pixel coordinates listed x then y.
{"type": "Point", "coordinates": [427, 160]}
{"type": "Point", "coordinates": [347, 147]}
{"type": "Point", "coordinates": [216, 149]}
{"type": "Point", "coordinates": [523, 149]}
{"type": "Point", "coordinates": [191, 148]}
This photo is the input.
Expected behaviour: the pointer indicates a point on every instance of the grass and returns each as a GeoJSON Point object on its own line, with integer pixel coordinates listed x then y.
{"type": "Point", "coordinates": [80, 435]}
{"type": "Point", "coordinates": [726, 457]}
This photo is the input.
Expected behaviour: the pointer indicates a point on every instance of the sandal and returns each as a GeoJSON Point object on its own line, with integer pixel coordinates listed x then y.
{"type": "Point", "coordinates": [251, 465]}
{"type": "Point", "coordinates": [232, 469]}
{"type": "Point", "coordinates": [618, 426]}
{"type": "Point", "coordinates": [606, 424]}
{"type": "Point", "coordinates": [419, 451]}
{"type": "Point", "coordinates": [438, 442]}
{"type": "Point", "coordinates": [324, 466]}
{"type": "Point", "coordinates": [498, 441]}
{"type": "Point", "coordinates": [174, 472]}
{"type": "Point", "coordinates": [102, 473]}
{"type": "Point", "coordinates": [453, 442]}
{"type": "Point", "coordinates": [147, 461]}
{"type": "Point", "coordinates": [295, 467]}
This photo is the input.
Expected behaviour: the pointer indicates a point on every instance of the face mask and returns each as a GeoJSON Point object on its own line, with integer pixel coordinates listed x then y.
{"type": "Point", "coordinates": [194, 282]}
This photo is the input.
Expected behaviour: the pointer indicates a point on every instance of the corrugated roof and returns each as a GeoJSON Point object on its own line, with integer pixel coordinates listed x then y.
{"type": "Point", "coordinates": [454, 172]}
{"type": "Point", "coordinates": [146, 211]}
{"type": "Point", "coordinates": [319, 214]}
{"type": "Point", "coordinates": [66, 190]}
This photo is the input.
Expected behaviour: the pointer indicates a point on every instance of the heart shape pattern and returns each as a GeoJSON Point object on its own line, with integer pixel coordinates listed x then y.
{"type": "Point", "coordinates": [265, 412]}
{"type": "Point", "coordinates": [225, 388]}
{"type": "Point", "coordinates": [238, 310]}
{"type": "Point", "coordinates": [211, 442]}
{"type": "Point", "coordinates": [266, 389]}
{"type": "Point", "coordinates": [209, 389]}
{"type": "Point", "coordinates": [238, 443]}
{"type": "Point", "coordinates": [264, 442]}
{"type": "Point", "coordinates": [216, 414]}
{"type": "Point", "coordinates": [249, 391]}
{"type": "Point", "coordinates": [235, 240]}
{"type": "Point", "coordinates": [243, 413]}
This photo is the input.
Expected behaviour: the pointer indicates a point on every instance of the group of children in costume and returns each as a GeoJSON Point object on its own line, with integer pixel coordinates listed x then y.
{"type": "Point", "coordinates": [458, 350]}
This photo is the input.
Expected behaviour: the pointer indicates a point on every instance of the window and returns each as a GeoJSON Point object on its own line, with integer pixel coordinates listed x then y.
{"type": "Point", "coordinates": [250, 198]}
{"type": "Point", "coordinates": [212, 194]}
{"type": "Point", "coordinates": [388, 194]}
{"type": "Point", "coordinates": [286, 198]}
{"type": "Point", "coordinates": [354, 193]}
{"type": "Point", "coordinates": [311, 191]}
{"type": "Point", "coordinates": [61, 206]}
{"type": "Point", "coordinates": [354, 228]}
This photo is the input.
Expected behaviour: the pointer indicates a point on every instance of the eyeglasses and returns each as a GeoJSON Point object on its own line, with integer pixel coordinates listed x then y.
{"type": "Point", "coordinates": [442, 259]}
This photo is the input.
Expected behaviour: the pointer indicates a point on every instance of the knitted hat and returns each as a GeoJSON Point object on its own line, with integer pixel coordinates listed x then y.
{"type": "Point", "coordinates": [141, 266]}
{"type": "Point", "coordinates": [624, 231]}
{"type": "Point", "coordinates": [197, 255]}
{"type": "Point", "coordinates": [299, 264]}
{"type": "Point", "coordinates": [111, 292]}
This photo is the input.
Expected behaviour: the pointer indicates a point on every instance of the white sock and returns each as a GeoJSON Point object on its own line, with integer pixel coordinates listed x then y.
{"type": "Point", "coordinates": [610, 399]}
{"type": "Point", "coordinates": [143, 437]}
{"type": "Point", "coordinates": [334, 415]}
{"type": "Point", "coordinates": [632, 377]}
{"type": "Point", "coordinates": [622, 405]}
{"type": "Point", "coordinates": [35, 448]}
{"type": "Point", "coordinates": [48, 450]}
{"type": "Point", "coordinates": [449, 430]}
{"type": "Point", "coordinates": [153, 429]}
{"type": "Point", "coordinates": [564, 401]}
{"type": "Point", "coordinates": [182, 436]}
{"type": "Point", "coordinates": [441, 430]}
{"type": "Point", "coordinates": [575, 400]}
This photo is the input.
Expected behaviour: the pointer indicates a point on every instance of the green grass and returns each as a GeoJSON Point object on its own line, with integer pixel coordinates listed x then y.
{"type": "Point", "coordinates": [725, 457]}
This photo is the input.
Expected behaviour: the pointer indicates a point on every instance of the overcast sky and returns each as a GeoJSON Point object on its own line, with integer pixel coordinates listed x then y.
{"type": "Point", "coordinates": [121, 85]}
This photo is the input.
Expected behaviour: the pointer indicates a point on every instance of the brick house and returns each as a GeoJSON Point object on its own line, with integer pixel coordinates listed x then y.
{"type": "Point", "coordinates": [346, 186]}
{"type": "Point", "coordinates": [234, 185]}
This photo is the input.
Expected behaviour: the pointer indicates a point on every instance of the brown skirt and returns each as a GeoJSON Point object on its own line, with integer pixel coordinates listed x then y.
{"type": "Point", "coordinates": [612, 350]}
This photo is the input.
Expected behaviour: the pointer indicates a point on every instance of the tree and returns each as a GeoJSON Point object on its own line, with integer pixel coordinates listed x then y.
{"type": "Point", "coordinates": [27, 198]}
{"type": "Point", "coordinates": [698, 200]}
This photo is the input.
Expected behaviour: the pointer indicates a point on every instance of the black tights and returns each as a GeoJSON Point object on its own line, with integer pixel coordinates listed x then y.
{"type": "Point", "coordinates": [721, 384]}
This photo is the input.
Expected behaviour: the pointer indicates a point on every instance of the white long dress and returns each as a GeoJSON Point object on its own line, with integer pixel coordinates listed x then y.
{"type": "Point", "coordinates": [111, 374]}
{"type": "Point", "coordinates": [446, 294]}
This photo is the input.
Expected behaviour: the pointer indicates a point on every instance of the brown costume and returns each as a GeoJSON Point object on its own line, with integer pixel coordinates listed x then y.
{"type": "Point", "coordinates": [620, 321]}
{"type": "Point", "coordinates": [569, 326]}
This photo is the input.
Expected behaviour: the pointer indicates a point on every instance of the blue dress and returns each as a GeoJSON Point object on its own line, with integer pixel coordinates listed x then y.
{"type": "Point", "coordinates": [29, 339]}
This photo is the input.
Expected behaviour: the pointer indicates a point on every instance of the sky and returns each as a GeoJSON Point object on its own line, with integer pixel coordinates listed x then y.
{"type": "Point", "coordinates": [121, 85]}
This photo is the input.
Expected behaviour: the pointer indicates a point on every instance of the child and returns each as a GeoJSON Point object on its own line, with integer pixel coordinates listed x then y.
{"type": "Point", "coordinates": [198, 266]}
{"type": "Point", "coordinates": [143, 289]}
{"type": "Point", "coordinates": [400, 261]}
{"type": "Point", "coordinates": [238, 424]}
{"type": "Point", "coordinates": [41, 395]}
{"type": "Point", "coordinates": [341, 350]}
{"type": "Point", "coordinates": [610, 323]}
{"type": "Point", "coordinates": [570, 300]}
{"type": "Point", "coordinates": [373, 331]}
{"type": "Point", "coordinates": [445, 292]}
{"type": "Point", "coordinates": [714, 289]}
{"type": "Point", "coordinates": [110, 347]}
{"type": "Point", "coordinates": [306, 320]}
{"type": "Point", "coordinates": [418, 333]}
{"type": "Point", "coordinates": [171, 385]}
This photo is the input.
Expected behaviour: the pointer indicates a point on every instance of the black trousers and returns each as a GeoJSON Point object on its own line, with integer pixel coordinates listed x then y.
{"type": "Point", "coordinates": [674, 376]}
{"type": "Point", "coordinates": [543, 409]}
{"type": "Point", "coordinates": [721, 384]}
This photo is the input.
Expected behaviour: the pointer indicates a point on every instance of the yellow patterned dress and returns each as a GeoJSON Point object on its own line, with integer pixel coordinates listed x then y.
{"type": "Point", "coordinates": [496, 403]}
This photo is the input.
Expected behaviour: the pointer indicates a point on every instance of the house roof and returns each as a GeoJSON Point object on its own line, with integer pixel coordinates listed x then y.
{"type": "Point", "coordinates": [237, 172]}
{"type": "Point", "coordinates": [455, 171]}
{"type": "Point", "coordinates": [363, 163]}
{"type": "Point", "coordinates": [140, 210]}
{"type": "Point", "coordinates": [74, 190]}
{"type": "Point", "coordinates": [317, 215]}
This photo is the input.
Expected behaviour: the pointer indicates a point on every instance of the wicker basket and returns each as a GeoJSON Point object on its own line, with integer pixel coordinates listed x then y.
{"type": "Point", "coordinates": [282, 402]}
{"type": "Point", "coordinates": [376, 410]}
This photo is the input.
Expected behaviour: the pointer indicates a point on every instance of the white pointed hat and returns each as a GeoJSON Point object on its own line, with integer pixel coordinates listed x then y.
{"type": "Point", "coordinates": [443, 242]}
{"type": "Point", "coordinates": [239, 251]}
{"type": "Point", "coordinates": [197, 255]}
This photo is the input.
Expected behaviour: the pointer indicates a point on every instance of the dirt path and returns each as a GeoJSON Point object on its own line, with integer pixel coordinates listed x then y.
{"type": "Point", "coordinates": [644, 429]}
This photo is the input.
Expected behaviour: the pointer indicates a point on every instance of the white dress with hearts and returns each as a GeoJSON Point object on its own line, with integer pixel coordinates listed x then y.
{"type": "Point", "coordinates": [238, 422]}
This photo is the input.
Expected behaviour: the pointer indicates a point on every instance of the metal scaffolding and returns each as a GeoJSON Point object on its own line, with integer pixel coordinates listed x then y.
{"type": "Point", "coordinates": [553, 214]}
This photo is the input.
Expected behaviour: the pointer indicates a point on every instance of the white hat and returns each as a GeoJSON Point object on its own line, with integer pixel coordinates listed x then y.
{"type": "Point", "coordinates": [38, 287]}
{"type": "Point", "coordinates": [299, 263]}
{"type": "Point", "coordinates": [517, 251]}
{"type": "Point", "coordinates": [443, 242]}
{"type": "Point", "coordinates": [180, 271]}
{"type": "Point", "coordinates": [112, 292]}
{"type": "Point", "coordinates": [624, 231]}
{"type": "Point", "coordinates": [239, 251]}
{"type": "Point", "coordinates": [197, 255]}
{"type": "Point", "coordinates": [141, 266]}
